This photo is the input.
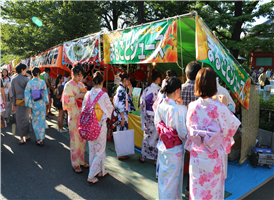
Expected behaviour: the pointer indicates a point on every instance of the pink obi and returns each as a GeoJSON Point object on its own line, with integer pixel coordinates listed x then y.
{"type": "Point", "coordinates": [208, 138]}
{"type": "Point", "coordinates": [168, 135]}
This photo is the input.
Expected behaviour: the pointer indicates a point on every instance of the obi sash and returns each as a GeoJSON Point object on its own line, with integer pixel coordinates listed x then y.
{"type": "Point", "coordinates": [168, 135]}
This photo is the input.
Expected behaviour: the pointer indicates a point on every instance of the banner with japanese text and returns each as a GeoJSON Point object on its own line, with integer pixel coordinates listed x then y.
{"type": "Point", "coordinates": [210, 51]}
{"type": "Point", "coordinates": [146, 44]}
{"type": "Point", "coordinates": [50, 58]}
{"type": "Point", "coordinates": [83, 50]}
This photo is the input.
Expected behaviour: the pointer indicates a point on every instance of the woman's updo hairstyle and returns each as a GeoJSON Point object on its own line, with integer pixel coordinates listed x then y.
{"type": "Point", "coordinates": [35, 71]}
{"type": "Point", "coordinates": [123, 76]}
{"type": "Point", "coordinates": [155, 74]}
{"type": "Point", "coordinates": [98, 77]}
{"type": "Point", "coordinates": [77, 69]}
{"type": "Point", "coordinates": [172, 84]}
{"type": "Point", "coordinates": [170, 73]}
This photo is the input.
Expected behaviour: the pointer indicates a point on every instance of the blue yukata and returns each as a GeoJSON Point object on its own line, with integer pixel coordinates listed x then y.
{"type": "Point", "coordinates": [123, 103]}
{"type": "Point", "coordinates": [38, 107]}
{"type": "Point", "coordinates": [171, 161]}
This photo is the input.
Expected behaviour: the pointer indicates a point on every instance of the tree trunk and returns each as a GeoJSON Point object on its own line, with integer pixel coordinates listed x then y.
{"type": "Point", "coordinates": [140, 12]}
{"type": "Point", "coordinates": [115, 19]}
{"type": "Point", "coordinates": [237, 29]}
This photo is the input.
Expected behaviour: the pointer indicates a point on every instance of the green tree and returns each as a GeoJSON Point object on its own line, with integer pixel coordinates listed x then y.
{"type": "Point", "coordinates": [228, 20]}
{"type": "Point", "coordinates": [62, 21]}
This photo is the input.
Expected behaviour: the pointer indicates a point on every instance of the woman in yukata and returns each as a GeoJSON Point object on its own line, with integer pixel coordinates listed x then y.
{"type": "Point", "coordinates": [170, 120]}
{"type": "Point", "coordinates": [6, 83]}
{"type": "Point", "coordinates": [72, 98]}
{"type": "Point", "coordinates": [151, 136]}
{"type": "Point", "coordinates": [123, 104]}
{"type": "Point", "coordinates": [103, 110]}
{"type": "Point", "coordinates": [211, 127]}
{"type": "Point", "coordinates": [160, 96]}
{"type": "Point", "coordinates": [37, 104]}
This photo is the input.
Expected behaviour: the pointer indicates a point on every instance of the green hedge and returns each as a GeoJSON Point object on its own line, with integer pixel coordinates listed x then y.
{"type": "Point", "coordinates": [264, 115]}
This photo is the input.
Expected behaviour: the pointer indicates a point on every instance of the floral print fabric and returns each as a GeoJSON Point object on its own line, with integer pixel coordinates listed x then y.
{"type": "Point", "coordinates": [77, 143]}
{"type": "Point", "coordinates": [171, 161]}
{"type": "Point", "coordinates": [97, 153]}
{"type": "Point", "coordinates": [211, 127]}
{"type": "Point", "coordinates": [120, 99]}
{"type": "Point", "coordinates": [38, 107]}
{"type": "Point", "coordinates": [151, 136]}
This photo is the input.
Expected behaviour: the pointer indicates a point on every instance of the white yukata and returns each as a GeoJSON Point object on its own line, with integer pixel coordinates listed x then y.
{"type": "Point", "coordinates": [211, 127]}
{"type": "Point", "coordinates": [171, 161]}
{"type": "Point", "coordinates": [151, 136]}
{"type": "Point", "coordinates": [97, 153]}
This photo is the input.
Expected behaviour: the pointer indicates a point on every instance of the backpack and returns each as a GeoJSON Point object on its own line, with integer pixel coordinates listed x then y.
{"type": "Point", "coordinates": [88, 126]}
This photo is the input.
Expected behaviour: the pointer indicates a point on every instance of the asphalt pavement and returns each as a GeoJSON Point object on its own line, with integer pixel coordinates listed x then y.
{"type": "Point", "coordinates": [29, 171]}
{"type": "Point", "coordinates": [32, 172]}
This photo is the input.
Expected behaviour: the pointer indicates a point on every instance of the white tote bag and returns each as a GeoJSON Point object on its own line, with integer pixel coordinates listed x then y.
{"type": "Point", "coordinates": [124, 142]}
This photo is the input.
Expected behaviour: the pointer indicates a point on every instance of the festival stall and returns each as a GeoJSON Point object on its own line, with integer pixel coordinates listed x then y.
{"type": "Point", "coordinates": [171, 44]}
{"type": "Point", "coordinates": [51, 58]}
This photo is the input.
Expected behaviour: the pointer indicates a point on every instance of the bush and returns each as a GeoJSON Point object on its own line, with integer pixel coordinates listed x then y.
{"type": "Point", "coordinates": [264, 115]}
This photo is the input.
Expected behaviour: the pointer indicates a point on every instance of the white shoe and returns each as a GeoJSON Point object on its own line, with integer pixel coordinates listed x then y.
{"type": "Point", "coordinates": [63, 131]}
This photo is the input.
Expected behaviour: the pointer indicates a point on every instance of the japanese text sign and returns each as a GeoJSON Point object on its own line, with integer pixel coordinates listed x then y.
{"type": "Point", "coordinates": [146, 44]}
{"type": "Point", "coordinates": [209, 50]}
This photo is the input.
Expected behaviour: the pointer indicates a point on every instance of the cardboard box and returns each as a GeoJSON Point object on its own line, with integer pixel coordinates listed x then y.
{"type": "Point", "coordinates": [234, 154]}
{"type": "Point", "coordinates": [237, 144]}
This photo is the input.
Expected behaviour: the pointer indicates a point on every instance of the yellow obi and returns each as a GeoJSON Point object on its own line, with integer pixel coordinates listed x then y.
{"type": "Point", "coordinates": [98, 111]}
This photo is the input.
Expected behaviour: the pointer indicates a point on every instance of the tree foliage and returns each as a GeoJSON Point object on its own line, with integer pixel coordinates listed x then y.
{"type": "Point", "coordinates": [62, 21]}
{"type": "Point", "coordinates": [228, 20]}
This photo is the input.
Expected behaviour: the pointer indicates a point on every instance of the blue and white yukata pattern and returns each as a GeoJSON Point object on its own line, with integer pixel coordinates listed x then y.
{"type": "Point", "coordinates": [151, 136]}
{"type": "Point", "coordinates": [38, 107]}
{"type": "Point", "coordinates": [120, 105]}
{"type": "Point", "coordinates": [171, 161]}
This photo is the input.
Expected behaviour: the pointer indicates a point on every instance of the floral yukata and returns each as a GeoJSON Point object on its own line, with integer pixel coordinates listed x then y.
{"type": "Point", "coordinates": [77, 143]}
{"type": "Point", "coordinates": [211, 127]}
{"type": "Point", "coordinates": [38, 107]}
{"type": "Point", "coordinates": [171, 161]}
{"type": "Point", "coordinates": [123, 103]}
{"type": "Point", "coordinates": [151, 136]}
{"type": "Point", "coordinates": [97, 153]}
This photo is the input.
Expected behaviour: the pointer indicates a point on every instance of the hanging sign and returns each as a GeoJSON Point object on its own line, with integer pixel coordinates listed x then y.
{"type": "Point", "coordinates": [83, 50]}
{"type": "Point", "coordinates": [146, 44]}
{"type": "Point", "coordinates": [136, 92]}
{"type": "Point", "coordinates": [49, 58]}
{"type": "Point", "coordinates": [209, 50]}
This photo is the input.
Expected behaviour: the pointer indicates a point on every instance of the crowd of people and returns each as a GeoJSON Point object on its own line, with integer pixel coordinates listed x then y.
{"type": "Point", "coordinates": [195, 116]}
{"type": "Point", "coordinates": [262, 76]}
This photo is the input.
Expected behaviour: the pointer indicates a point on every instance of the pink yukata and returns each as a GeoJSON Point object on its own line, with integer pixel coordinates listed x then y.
{"type": "Point", "coordinates": [97, 148]}
{"type": "Point", "coordinates": [77, 143]}
{"type": "Point", "coordinates": [211, 127]}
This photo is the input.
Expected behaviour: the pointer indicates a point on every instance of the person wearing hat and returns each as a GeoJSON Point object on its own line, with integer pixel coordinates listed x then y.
{"type": "Point", "coordinates": [262, 79]}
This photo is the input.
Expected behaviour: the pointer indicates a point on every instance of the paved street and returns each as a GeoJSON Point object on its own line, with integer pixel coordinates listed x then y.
{"type": "Point", "coordinates": [34, 172]}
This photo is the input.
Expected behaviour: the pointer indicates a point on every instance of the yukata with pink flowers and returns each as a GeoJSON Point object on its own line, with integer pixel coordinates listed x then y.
{"type": "Point", "coordinates": [97, 153]}
{"type": "Point", "coordinates": [77, 143]}
{"type": "Point", "coordinates": [171, 161]}
{"type": "Point", "coordinates": [211, 127]}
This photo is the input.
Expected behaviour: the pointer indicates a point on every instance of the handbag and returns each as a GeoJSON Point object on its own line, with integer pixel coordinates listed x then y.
{"type": "Point", "coordinates": [20, 102]}
{"type": "Point", "coordinates": [37, 94]}
{"type": "Point", "coordinates": [2, 123]}
{"type": "Point", "coordinates": [124, 142]}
